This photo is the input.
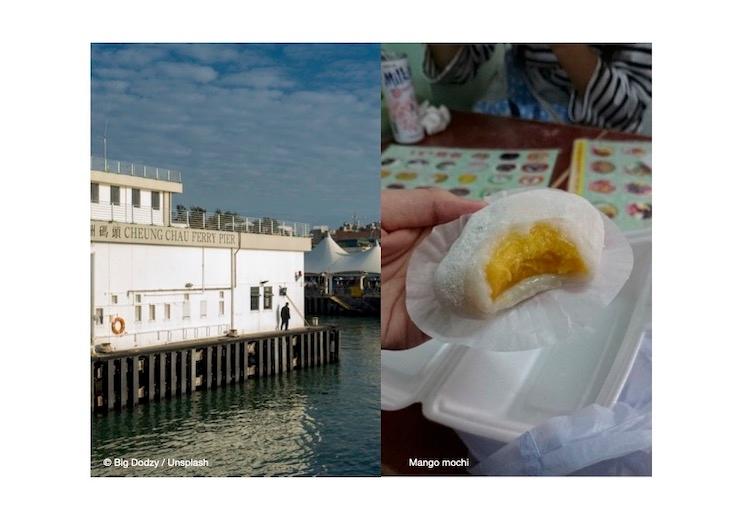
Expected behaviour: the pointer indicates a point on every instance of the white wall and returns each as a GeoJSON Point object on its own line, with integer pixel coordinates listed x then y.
{"type": "Point", "coordinates": [279, 268]}
{"type": "Point", "coordinates": [125, 212]}
{"type": "Point", "coordinates": [159, 274]}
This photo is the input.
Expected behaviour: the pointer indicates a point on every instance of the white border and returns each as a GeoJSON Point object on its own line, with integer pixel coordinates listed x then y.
{"type": "Point", "coordinates": [698, 256]}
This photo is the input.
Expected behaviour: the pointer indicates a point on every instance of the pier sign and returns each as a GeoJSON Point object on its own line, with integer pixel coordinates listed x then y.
{"type": "Point", "coordinates": [113, 232]}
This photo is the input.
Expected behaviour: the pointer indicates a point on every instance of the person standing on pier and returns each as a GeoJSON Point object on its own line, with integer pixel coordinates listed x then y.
{"type": "Point", "coordinates": [285, 316]}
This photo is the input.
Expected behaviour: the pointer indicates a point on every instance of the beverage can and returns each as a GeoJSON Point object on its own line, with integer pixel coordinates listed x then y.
{"type": "Point", "coordinates": [400, 98]}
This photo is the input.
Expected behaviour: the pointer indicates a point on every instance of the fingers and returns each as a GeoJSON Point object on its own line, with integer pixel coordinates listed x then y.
{"type": "Point", "coordinates": [398, 242]}
{"type": "Point", "coordinates": [422, 208]}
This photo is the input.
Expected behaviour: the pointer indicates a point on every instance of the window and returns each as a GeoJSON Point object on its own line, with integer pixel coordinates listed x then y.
{"type": "Point", "coordinates": [115, 195]}
{"type": "Point", "coordinates": [187, 307]}
{"type": "Point", "coordinates": [114, 299]}
{"type": "Point", "coordinates": [99, 316]}
{"type": "Point", "coordinates": [136, 197]}
{"type": "Point", "coordinates": [203, 309]}
{"type": "Point", "coordinates": [138, 313]}
{"type": "Point", "coordinates": [222, 303]}
{"type": "Point", "coordinates": [138, 299]}
{"type": "Point", "coordinates": [155, 200]}
{"type": "Point", "coordinates": [167, 311]}
{"type": "Point", "coordinates": [94, 192]}
{"type": "Point", "coordinates": [254, 299]}
{"type": "Point", "coordinates": [152, 312]}
{"type": "Point", "coordinates": [268, 294]}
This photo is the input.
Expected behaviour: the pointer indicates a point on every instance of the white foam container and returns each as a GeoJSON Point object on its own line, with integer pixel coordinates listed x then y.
{"type": "Point", "coordinates": [502, 395]}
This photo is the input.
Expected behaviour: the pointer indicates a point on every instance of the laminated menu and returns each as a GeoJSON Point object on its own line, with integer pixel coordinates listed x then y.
{"type": "Point", "coordinates": [616, 177]}
{"type": "Point", "coordinates": [467, 172]}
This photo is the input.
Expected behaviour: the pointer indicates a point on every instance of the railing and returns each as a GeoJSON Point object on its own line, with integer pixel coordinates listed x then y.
{"type": "Point", "coordinates": [133, 169]}
{"type": "Point", "coordinates": [219, 221]}
{"type": "Point", "coordinates": [178, 334]}
{"type": "Point", "coordinates": [215, 221]}
{"type": "Point", "coordinates": [126, 213]}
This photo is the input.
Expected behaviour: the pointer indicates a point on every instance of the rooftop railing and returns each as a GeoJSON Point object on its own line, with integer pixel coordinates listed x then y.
{"type": "Point", "coordinates": [220, 221]}
{"type": "Point", "coordinates": [196, 219]}
{"type": "Point", "coordinates": [126, 213]}
{"type": "Point", "coordinates": [133, 169]}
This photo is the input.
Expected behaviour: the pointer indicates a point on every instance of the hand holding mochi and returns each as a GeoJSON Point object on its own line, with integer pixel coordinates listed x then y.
{"type": "Point", "coordinates": [527, 271]}
{"type": "Point", "coordinates": [518, 247]}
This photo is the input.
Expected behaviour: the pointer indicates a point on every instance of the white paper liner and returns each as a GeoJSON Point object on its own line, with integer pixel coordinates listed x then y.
{"type": "Point", "coordinates": [538, 322]}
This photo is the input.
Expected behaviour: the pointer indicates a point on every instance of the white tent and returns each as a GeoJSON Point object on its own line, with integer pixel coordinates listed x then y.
{"type": "Point", "coordinates": [361, 262]}
{"type": "Point", "coordinates": [323, 256]}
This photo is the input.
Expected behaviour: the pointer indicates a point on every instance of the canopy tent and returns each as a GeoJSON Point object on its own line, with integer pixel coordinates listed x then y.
{"type": "Point", "coordinates": [360, 262]}
{"type": "Point", "coordinates": [323, 256]}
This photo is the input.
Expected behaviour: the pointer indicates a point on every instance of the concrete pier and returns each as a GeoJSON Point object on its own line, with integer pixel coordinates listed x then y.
{"type": "Point", "coordinates": [127, 378]}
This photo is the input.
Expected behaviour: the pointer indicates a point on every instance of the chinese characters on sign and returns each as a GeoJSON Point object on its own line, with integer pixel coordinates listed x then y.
{"type": "Point", "coordinates": [155, 235]}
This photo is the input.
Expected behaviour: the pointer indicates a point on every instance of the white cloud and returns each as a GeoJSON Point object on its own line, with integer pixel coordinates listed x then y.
{"type": "Point", "coordinates": [209, 53]}
{"type": "Point", "coordinates": [272, 77]}
{"type": "Point", "coordinates": [257, 144]}
{"type": "Point", "coordinates": [185, 71]}
{"type": "Point", "coordinates": [115, 85]}
{"type": "Point", "coordinates": [350, 71]}
{"type": "Point", "coordinates": [113, 73]}
{"type": "Point", "coordinates": [137, 55]}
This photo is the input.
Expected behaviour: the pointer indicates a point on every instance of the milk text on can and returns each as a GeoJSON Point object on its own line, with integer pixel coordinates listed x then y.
{"type": "Point", "coordinates": [401, 100]}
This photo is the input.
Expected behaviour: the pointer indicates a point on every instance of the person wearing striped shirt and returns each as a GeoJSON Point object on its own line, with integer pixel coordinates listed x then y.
{"type": "Point", "coordinates": [602, 85]}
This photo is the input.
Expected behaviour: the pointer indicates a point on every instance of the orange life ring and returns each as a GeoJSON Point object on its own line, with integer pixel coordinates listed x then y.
{"type": "Point", "coordinates": [117, 326]}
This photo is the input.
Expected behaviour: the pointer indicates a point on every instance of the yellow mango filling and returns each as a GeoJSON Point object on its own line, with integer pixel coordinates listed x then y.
{"type": "Point", "coordinates": [542, 250]}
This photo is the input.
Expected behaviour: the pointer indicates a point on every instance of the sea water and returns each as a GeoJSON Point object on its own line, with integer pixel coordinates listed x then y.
{"type": "Point", "coordinates": [323, 420]}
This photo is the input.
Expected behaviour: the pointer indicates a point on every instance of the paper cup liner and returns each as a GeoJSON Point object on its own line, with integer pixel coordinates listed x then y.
{"type": "Point", "coordinates": [538, 322]}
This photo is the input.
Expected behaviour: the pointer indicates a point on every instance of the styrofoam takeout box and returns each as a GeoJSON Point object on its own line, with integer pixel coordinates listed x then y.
{"type": "Point", "coordinates": [502, 395]}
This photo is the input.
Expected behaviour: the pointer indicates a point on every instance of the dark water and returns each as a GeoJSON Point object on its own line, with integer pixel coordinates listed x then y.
{"type": "Point", "coordinates": [320, 421]}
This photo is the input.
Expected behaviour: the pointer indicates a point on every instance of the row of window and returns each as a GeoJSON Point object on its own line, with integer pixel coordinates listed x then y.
{"type": "Point", "coordinates": [186, 306]}
{"type": "Point", "coordinates": [151, 310]}
{"type": "Point", "coordinates": [185, 311]}
{"type": "Point", "coordinates": [116, 197]}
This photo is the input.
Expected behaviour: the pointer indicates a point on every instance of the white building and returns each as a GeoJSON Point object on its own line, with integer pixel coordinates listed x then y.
{"type": "Point", "coordinates": [159, 275]}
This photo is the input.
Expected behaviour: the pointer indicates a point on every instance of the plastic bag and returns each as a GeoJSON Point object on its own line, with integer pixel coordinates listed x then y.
{"type": "Point", "coordinates": [593, 441]}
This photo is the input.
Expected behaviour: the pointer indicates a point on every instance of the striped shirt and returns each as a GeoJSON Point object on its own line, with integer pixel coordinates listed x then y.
{"type": "Point", "coordinates": [616, 97]}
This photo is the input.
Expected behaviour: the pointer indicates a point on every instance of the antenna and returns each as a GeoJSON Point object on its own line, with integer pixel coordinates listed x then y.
{"type": "Point", "coordinates": [105, 152]}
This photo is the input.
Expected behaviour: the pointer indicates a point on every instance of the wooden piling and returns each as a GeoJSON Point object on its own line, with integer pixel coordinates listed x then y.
{"type": "Point", "coordinates": [110, 393]}
{"type": "Point", "coordinates": [134, 379]}
{"type": "Point", "coordinates": [317, 350]}
{"type": "Point", "coordinates": [150, 377]}
{"type": "Point", "coordinates": [192, 369]}
{"type": "Point", "coordinates": [123, 382]}
{"type": "Point", "coordinates": [162, 375]}
{"type": "Point", "coordinates": [228, 359]}
{"type": "Point", "coordinates": [276, 356]}
{"type": "Point", "coordinates": [301, 362]}
{"type": "Point", "coordinates": [127, 378]}
{"type": "Point", "coordinates": [218, 365]}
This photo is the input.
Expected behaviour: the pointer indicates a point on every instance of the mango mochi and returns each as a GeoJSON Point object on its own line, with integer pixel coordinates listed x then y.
{"type": "Point", "coordinates": [517, 247]}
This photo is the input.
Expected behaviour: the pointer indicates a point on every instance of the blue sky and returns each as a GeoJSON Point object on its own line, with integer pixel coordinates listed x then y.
{"type": "Point", "coordinates": [289, 131]}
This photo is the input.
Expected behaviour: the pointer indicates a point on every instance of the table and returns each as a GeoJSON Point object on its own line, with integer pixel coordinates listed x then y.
{"type": "Point", "coordinates": [407, 433]}
{"type": "Point", "coordinates": [475, 130]}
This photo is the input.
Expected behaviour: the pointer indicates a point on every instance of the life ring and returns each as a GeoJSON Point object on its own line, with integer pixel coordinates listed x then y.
{"type": "Point", "coordinates": [117, 326]}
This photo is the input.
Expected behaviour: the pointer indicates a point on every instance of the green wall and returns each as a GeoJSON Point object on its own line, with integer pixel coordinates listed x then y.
{"type": "Point", "coordinates": [456, 97]}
